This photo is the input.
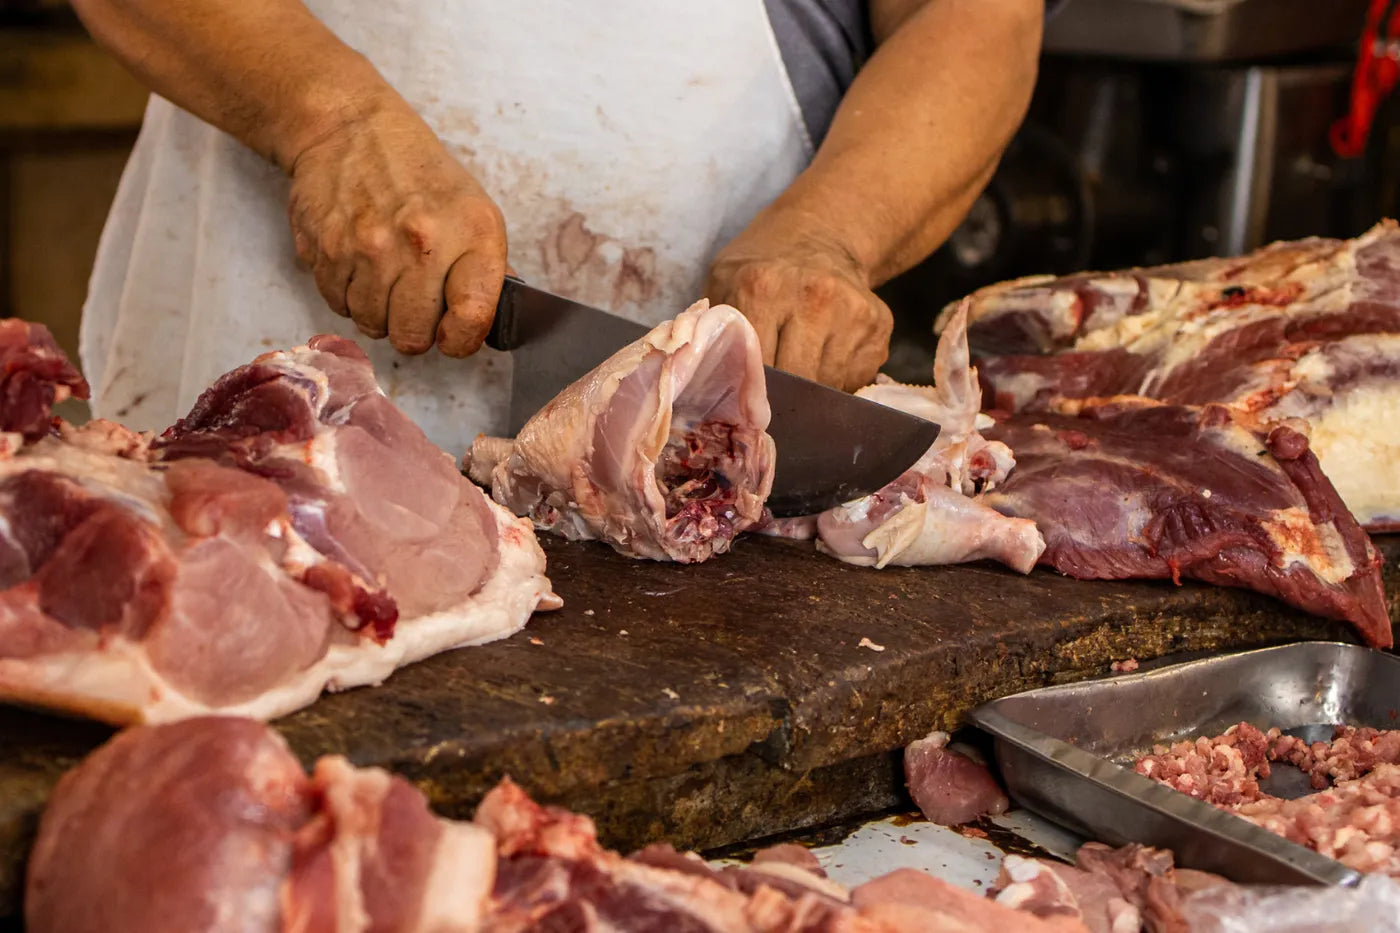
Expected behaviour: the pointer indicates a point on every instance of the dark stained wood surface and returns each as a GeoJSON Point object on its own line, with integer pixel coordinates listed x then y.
{"type": "Point", "coordinates": [759, 693]}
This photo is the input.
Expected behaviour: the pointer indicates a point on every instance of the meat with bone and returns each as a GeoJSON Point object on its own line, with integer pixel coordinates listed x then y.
{"type": "Point", "coordinates": [1307, 330]}
{"type": "Point", "coordinates": [948, 785]}
{"type": "Point", "coordinates": [931, 514]}
{"type": "Point", "coordinates": [296, 532]}
{"type": "Point", "coordinates": [1132, 488]}
{"type": "Point", "coordinates": [662, 451]}
{"type": "Point", "coordinates": [210, 824]}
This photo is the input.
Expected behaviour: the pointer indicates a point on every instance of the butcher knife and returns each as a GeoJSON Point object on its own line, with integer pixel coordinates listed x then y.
{"type": "Point", "coordinates": [832, 447]}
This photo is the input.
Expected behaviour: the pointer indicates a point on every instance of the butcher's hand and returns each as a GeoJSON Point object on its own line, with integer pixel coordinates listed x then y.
{"type": "Point", "coordinates": [810, 301]}
{"type": "Point", "coordinates": [399, 235]}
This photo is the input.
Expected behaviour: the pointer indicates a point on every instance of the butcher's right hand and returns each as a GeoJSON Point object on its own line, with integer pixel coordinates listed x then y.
{"type": "Point", "coordinates": [399, 235]}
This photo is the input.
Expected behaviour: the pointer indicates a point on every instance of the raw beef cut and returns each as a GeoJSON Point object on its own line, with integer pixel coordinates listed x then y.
{"type": "Point", "coordinates": [1307, 330]}
{"type": "Point", "coordinates": [34, 376]}
{"type": "Point", "coordinates": [662, 451]}
{"type": "Point", "coordinates": [210, 825]}
{"type": "Point", "coordinates": [931, 515]}
{"type": "Point", "coordinates": [948, 785]}
{"type": "Point", "coordinates": [1134, 488]}
{"type": "Point", "coordinates": [295, 532]}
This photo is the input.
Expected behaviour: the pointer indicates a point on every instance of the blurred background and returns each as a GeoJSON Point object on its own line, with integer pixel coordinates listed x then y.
{"type": "Point", "coordinates": [1161, 130]}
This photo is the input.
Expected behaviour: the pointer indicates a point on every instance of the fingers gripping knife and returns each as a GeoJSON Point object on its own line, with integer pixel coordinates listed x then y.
{"type": "Point", "coordinates": [831, 447]}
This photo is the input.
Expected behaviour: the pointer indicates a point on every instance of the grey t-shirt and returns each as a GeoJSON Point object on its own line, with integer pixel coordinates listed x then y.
{"type": "Point", "coordinates": [823, 44]}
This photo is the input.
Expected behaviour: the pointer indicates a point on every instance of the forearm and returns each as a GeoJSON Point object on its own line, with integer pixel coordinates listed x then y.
{"type": "Point", "coordinates": [266, 71]}
{"type": "Point", "coordinates": [919, 133]}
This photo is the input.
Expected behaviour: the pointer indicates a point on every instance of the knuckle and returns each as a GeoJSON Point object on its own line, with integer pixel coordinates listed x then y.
{"type": "Point", "coordinates": [757, 281]}
{"type": "Point", "coordinates": [372, 239]}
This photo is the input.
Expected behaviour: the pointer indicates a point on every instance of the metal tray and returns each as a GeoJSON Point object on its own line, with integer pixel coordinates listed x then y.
{"type": "Point", "coordinates": [1202, 30]}
{"type": "Point", "coordinates": [1059, 748]}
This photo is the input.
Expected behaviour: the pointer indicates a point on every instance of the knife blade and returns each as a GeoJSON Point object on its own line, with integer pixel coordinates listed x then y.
{"type": "Point", "coordinates": [831, 447]}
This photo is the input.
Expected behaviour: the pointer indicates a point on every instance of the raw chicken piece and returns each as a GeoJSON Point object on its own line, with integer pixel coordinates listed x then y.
{"type": "Point", "coordinates": [295, 532]}
{"type": "Point", "coordinates": [930, 514]}
{"type": "Point", "coordinates": [210, 825]}
{"type": "Point", "coordinates": [662, 451]}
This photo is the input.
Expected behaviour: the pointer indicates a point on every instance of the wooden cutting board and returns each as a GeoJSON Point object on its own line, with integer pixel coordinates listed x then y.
{"type": "Point", "coordinates": [762, 692]}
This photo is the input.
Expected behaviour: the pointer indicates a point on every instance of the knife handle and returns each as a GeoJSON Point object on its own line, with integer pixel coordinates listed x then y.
{"type": "Point", "coordinates": [502, 335]}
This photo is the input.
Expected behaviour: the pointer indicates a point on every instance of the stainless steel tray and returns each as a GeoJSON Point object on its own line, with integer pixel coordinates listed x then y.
{"type": "Point", "coordinates": [1059, 748]}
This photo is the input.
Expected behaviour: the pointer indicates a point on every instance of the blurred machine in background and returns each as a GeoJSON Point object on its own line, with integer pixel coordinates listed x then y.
{"type": "Point", "coordinates": [1164, 130]}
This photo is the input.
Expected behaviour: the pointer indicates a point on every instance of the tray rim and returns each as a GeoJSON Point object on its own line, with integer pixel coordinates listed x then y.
{"type": "Point", "coordinates": [1171, 804]}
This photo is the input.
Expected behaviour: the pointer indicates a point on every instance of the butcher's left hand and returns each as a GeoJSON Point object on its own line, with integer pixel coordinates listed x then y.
{"type": "Point", "coordinates": [810, 302]}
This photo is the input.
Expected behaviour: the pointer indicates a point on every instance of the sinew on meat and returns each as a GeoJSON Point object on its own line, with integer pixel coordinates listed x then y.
{"type": "Point", "coordinates": [1128, 487]}
{"type": "Point", "coordinates": [662, 451]}
{"type": "Point", "coordinates": [295, 532]}
{"type": "Point", "coordinates": [1307, 330]}
{"type": "Point", "coordinates": [210, 824]}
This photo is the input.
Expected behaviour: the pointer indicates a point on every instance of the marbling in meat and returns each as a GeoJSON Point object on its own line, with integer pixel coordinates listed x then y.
{"type": "Point", "coordinates": [932, 514]}
{"type": "Point", "coordinates": [295, 532]}
{"type": "Point", "coordinates": [210, 824]}
{"type": "Point", "coordinates": [1133, 488]}
{"type": "Point", "coordinates": [662, 451]}
{"type": "Point", "coordinates": [1307, 330]}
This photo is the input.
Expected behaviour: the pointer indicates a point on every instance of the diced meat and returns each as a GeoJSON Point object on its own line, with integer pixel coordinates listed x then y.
{"type": "Point", "coordinates": [662, 451]}
{"type": "Point", "coordinates": [932, 515]}
{"type": "Point", "coordinates": [211, 824]}
{"type": "Point", "coordinates": [1132, 488]}
{"type": "Point", "coordinates": [34, 376]}
{"type": "Point", "coordinates": [295, 532]}
{"type": "Point", "coordinates": [1307, 330]}
{"type": "Point", "coordinates": [1356, 821]}
{"type": "Point", "coordinates": [949, 787]}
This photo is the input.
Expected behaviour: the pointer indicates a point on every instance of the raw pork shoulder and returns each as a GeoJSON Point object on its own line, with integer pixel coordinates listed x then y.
{"type": "Point", "coordinates": [931, 515]}
{"type": "Point", "coordinates": [1134, 488]}
{"type": "Point", "coordinates": [210, 825]}
{"type": "Point", "coordinates": [1306, 330]}
{"type": "Point", "coordinates": [295, 532]}
{"type": "Point", "coordinates": [662, 451]}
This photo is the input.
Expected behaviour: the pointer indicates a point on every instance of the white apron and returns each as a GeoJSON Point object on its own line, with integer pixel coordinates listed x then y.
{"type": "Point", "coordinates": [624, 141]}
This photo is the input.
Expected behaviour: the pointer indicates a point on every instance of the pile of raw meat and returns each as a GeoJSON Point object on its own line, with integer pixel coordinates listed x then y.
{"type": "Point", "coordinates": [210, 824]}
{"type": "Point", "coordinates": [1355, 815]}
{"type": "Point", "coordinates": [294, 532]}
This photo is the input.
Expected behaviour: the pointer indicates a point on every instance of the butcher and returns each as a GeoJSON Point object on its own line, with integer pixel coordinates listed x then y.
{"type": "Point", "coordinates": [374, 170]}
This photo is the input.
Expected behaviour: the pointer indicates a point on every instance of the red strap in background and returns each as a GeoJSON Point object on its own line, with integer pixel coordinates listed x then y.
{"type": "Point", "coordinates": [1377, 72]}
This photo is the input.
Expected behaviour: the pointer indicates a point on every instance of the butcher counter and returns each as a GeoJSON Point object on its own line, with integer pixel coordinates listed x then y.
{"type": "Point", "coordinates": [763, 692]}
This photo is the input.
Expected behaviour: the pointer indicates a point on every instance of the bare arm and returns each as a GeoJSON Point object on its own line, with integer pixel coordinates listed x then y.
{"type": "Point", "coordinates": [398, 234]}
{"type": "Point", "coordinates": [913, 143]}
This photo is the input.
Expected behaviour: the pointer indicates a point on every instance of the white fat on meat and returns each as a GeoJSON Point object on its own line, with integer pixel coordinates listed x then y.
{"type": "Point", "coordinates": [295, 533]}
{"type": "Point", "coordinates": [662, 451]}
{"type": "Point", "coordinates": [930, 515]}
{"type": "Point", "coordinates": [211, 824]}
